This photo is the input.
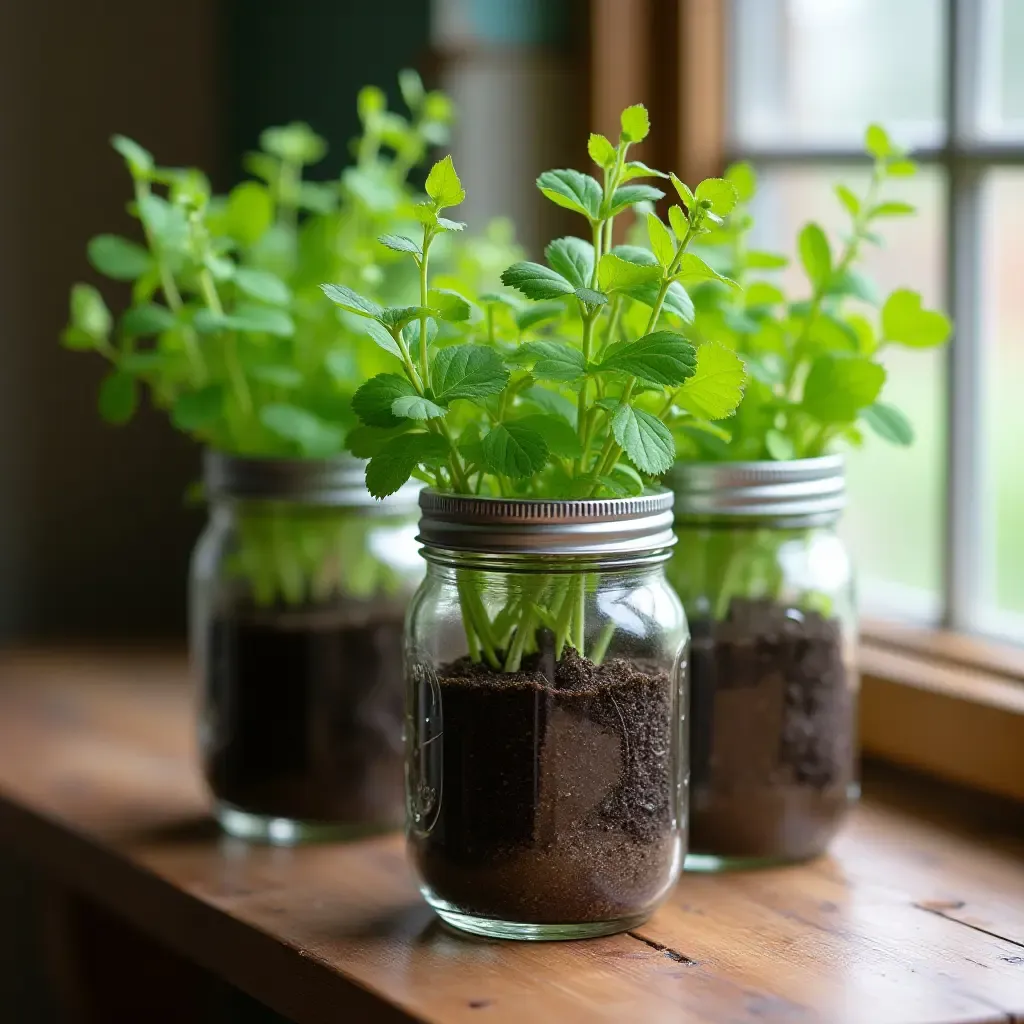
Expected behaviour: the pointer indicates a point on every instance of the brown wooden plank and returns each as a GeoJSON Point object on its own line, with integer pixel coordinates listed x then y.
{"type": "Point", "coordinates": [911, 921]}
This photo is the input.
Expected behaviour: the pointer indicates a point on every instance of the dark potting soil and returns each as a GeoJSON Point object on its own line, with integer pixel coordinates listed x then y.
{"type": "Point", "coordinates": [305, 716]}
{"type": "Point", "coordinates": [771, 732]}
{"type": "Point", "coordinates": [558, 800]}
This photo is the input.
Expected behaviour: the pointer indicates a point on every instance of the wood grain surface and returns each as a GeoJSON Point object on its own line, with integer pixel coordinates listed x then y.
{"type": "Point", "coordinates": [917, 917]}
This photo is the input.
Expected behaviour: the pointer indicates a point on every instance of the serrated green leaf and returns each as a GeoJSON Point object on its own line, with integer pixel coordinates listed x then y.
{"type": "Point", "coordinates": [617, 274]}
{"type": "Point", "coordinates": [718, 195]}
{"type": "Point", "coordinates": [139, 160]}
{"type": "Point", "coordinates": [633, 169]}
{"type": "Point", "coordinates": [645, 439]}
{"type": "Point", "coordinates": [628, 478]}
{"type": "Point", "coordinates": [683, 191]}
{"type": "Point", "coordinates": [889, 423]}
{"type": "Point", "coordinates": [626, 196]}
{"type": "Point", "coordinates": [661, 240]}
{"type": "Point", "coordinates": [374, 399]}
{"type": "Point", "coordinates": [694, 271]}
{"type": "Point", "coordinates": [554, 360]}
{"type": "Point", "coordinates": [118, 258]}
{"type": "Point", "coordinates": [343, 296]}
{"type": "Point", "coordinates": [677, 301]}
{"type": "Point", "coordinates": [89, 314]}
{"type": "Point", "coordinates": [536, 281]}
{"type": "Point", "coordinates": [466, 371]}
{"type": "Point", "coordinates": [399, 243]}
{"type": "Point", "coordinates": [680, 224]}
{"type": "Point", "coordinates": [601, 151]}
{"type": "Point", "coordinates": [147, 319]}
{"type": "Point", "coordinates": [848, 199]}
{"type": "Point", "coordinates": [662, 358]}
{"type": "Point", "coordinates": [715, 389]}
{"type": "Point", "coordinates": [514, 450]}
{"type": "Point", "coordinates": [572, 190]}
{"type": "Point", "coordinates": [815, 254]}
{"type": "Point", "coordinates": [906, 322]}
{"type": "Point", "coordinates": [263, 285]}
{"type": "Point", "coordinates": [573, 258]}
{"type": "Point", "coordinates": [364, 442]}
{"type": "Point", "coordinates": [392, 466]}
{"type": "Point", "coordinates": [416, 407]}
{"type": "Point", "coordinates": [396, 317]}
{"type": "Point", "coordinates": [552, 402]}
{"type": "Point", "coordinates": [635, 123]}
{"type": "Point", "coordinates": [838, 386]}
{"type": "Point", "coordinates": [118, 398]}
{"type": "Point", "coordinates": [195, 410]}
{"type": "Point", "coordinates": [591, 298]}
{"type": "Point", "coordinates": [450, 305]}
{"type": "Point", "coordinates": [450, 225]}
{"type": "Point", "coordinates": [380, 335]}
{"type": "Point", "coordinates": [559, 436]}
{"type": "Point", "coordinates": [443, 184]}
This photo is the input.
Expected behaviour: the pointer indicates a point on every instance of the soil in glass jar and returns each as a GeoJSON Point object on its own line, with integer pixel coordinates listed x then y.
{"type": "Point", "coordinates": [771, 733]}
{"type": "Point", "coordinates": [305, 716]}
{"type": "Point", "coordinates": [558, 802]}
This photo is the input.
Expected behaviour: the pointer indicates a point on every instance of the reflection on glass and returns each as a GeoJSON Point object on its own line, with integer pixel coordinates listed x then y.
{"type": "Point", "coordinates": [821, 70]}
{"type": "Point", "coordinates": [1002, 409]}
{"type": "Point", "coordinates": [1000, 113]}
{"type": "Point", "coordinates": [894, 523]}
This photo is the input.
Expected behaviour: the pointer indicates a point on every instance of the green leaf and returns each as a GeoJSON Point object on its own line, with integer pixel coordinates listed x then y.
{"type": "Point", "coordinates": [552, 402]}
{"type": "Point", "coordinates": [365, 442]}
{"type": "Point", "coordinates": [295, 143]}
{"type": "Point", "coordinates": [815, 255]}
{"type": "Point", "coordinates": [853, 282]}
{"type": "Point", "coordinates": [892, 209]}
{"type": "Point", "coordinates": [591, 299]}
{"type": "Point", "coordinates": [889, 423]}
{"type": "Point", "coordinates": [396, 317]}
{"type": "Point", "coordinates": [416, 407]}
{"type": "Point", "coordinates": [263, 285]}
{"type": "Point", "coordinates": [381, 336]}
{"type": "Point", "coordinates": [638, 169]}
{"type": "Point", "coordinates": [370, 101]}
{"type": "Point", "coordinates": [743, 178]}
{"type": "Point", "coordinates": [195, 410]}
{"type": "Point", "coordinates": [661, 240]}
{"type": "Point", "coordinates": [573, 258]}
{"type": "Point", "coordinates": [635, 123]}
{"type": "Point", "coordinates": [139, 160]}
{"type": "Point", "coordinates": [314, 437]}
{"type": "Point", "coordinates": [119, 397]}
{"type": "Point", "coordinates": [318, 197]}
{"type": "Point", "coordinates": [443, 184]}
{"type": "Point", "coordinates": [411, 334]}
{"type": "Point", "coordinates": [410, 85]}
{"type": "Point", "coordinates": [559, 436]}
{"type": "Point", "coordinates": [677, 301]}
{"type": "Point", "coordinates": [536, 281]}
{"type": "Point", "coordinates": [374, 399]}
{"type": "Point", "coordinates": [626, 196]}
{"type": "Point", "coordinates": [877, 142]}
{"type": "Point", "coordinates": [761, 294]}
{"type": "Point", "coordinates": [450, 225]}
{"type": "Point", "coordinates": [848, 199]}
{"type": "Point", "coordinates": [393, 464]}
{"type": "Point", "coordinates": [514, 450]}
{"type": "Point", "coordinates": [694, 271]}
{"type": "Point", "coordinates": [466, 371]}
{"type": "Point", "coordinates": [540, 312]}
{"type": "Point", "coordinates": [601, 151]}
{"type": "Point", "coordinates": [905, 322]}
{"type": "Point", "coordinates": [554, 360]}
{"type": "Point", "coordinates": [780, 446]}
{"type": "Point", "coordinates": [714, 391]}
{"type": "Point", "coordinates": [717, 195]}
{"type": "Point", "coordinates": [249, 213]}
{"type": "Point", "coordinates": [901, 169]}
{"type": "Point", "coordinates": [645, 439]}
{"type": "Point", "coordinates": [572, 190]}
{"type": "Point", "coordinates": [118, 258]}
{"type": "Point", "coordinates": [616, 274]}
{"type": "Point", "coordinates": [147, 319]}
{"type": "Point", "coordinates": [679, 221]}
{"type": "Point", "coordinates": [683, 191]}
{"type": "Point", "coordinates": [342, 295]}
{"type": "Point", "coordinates": [399, 243]}
{"type": "Point", "coordinates": [450, 305]}
{"type": "Point", "coordinates": [89, 313]}
{"type": "Point", "coordinates": [662, 358]}
{"type": "Point", "coordinates": [840, 385]}
{"type": "Point", "coordinates": [636, 254]}
{"type": "Point", "coordinates": [625, 476]}
{"type": "Point", "coordinates": [253, 320]}
{"type": "Point", "coordinates": [760, 260]}
{"type": "Point", "coordinates": [167, 224]}
{"type": "Point", "coordinates": [277, 375]}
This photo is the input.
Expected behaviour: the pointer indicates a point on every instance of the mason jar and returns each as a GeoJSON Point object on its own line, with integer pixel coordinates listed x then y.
{"type": "Point", "coordinates": [299, 586]}
{"type": "Point", "coordinates": [546, 765]}
{"type": "Point", "coordinates": [768, 589]}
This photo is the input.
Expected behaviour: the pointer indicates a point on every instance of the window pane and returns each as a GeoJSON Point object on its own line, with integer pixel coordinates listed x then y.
{"type": "Point", "coordinates": [819, 71]}
{"type": "Point", "coordinates": [895, 518]}
{"type": "Point", "coordinates": [1001, 69]}
{"type": "Point", "coordinates": [1002, 406]}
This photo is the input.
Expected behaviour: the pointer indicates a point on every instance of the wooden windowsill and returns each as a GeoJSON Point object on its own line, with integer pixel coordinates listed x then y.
{"type": "Point", "coordinates": [916, 916]}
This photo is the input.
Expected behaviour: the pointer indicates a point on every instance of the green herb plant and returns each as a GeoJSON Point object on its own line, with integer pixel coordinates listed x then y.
{"type": "Point", "coordinates": [226, 328]}
{"type": "Point", "coordinates": [814, 362]}
{"type": "Point", "coordinates": [574, 393]}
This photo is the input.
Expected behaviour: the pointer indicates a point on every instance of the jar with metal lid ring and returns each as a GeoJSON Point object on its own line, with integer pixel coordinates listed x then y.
{"type": "Point", "coordinates": [769, 591]}
{"type": "Point", "coordinates": [298, 590]}
{"type": "Point", "coordinates": [546, 768]}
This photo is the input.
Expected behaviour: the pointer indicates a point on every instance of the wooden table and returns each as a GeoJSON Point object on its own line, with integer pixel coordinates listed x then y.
{"type": "Point", "coordinates": [917, 917]}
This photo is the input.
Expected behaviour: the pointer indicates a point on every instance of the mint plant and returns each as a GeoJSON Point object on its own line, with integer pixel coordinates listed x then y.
{"type": "Point", "coordinates": [572, 393]}
{"type": "Point", "coordinates": [226, 329]}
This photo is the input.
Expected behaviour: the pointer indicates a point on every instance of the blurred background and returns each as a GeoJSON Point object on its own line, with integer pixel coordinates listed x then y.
{"type": "Point", "coordinates": [94, 530]}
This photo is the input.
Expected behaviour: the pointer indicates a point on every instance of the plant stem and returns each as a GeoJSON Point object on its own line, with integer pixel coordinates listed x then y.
{"type": "Point", "coordinates": [424, 354]}
{"type": "Point", "coordinates": [231, 360]}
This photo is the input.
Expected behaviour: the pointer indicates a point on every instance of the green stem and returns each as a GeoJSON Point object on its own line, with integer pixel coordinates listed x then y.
{"type": "Point", "coordinates": [234, 366]}
{"type": "Point", "coordinates": [424, 288]}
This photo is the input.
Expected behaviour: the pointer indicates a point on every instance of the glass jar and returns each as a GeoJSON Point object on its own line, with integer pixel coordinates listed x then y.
{"type": "Point", "coordinates": [768, 589]}
{"type": "Point", "coordinates": [299, 585]}
{"type": "Point", "coordinates": [546, 767]}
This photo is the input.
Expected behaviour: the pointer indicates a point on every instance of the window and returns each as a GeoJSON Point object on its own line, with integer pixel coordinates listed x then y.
{"type": "Point", "coordinates": [939, 527]}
